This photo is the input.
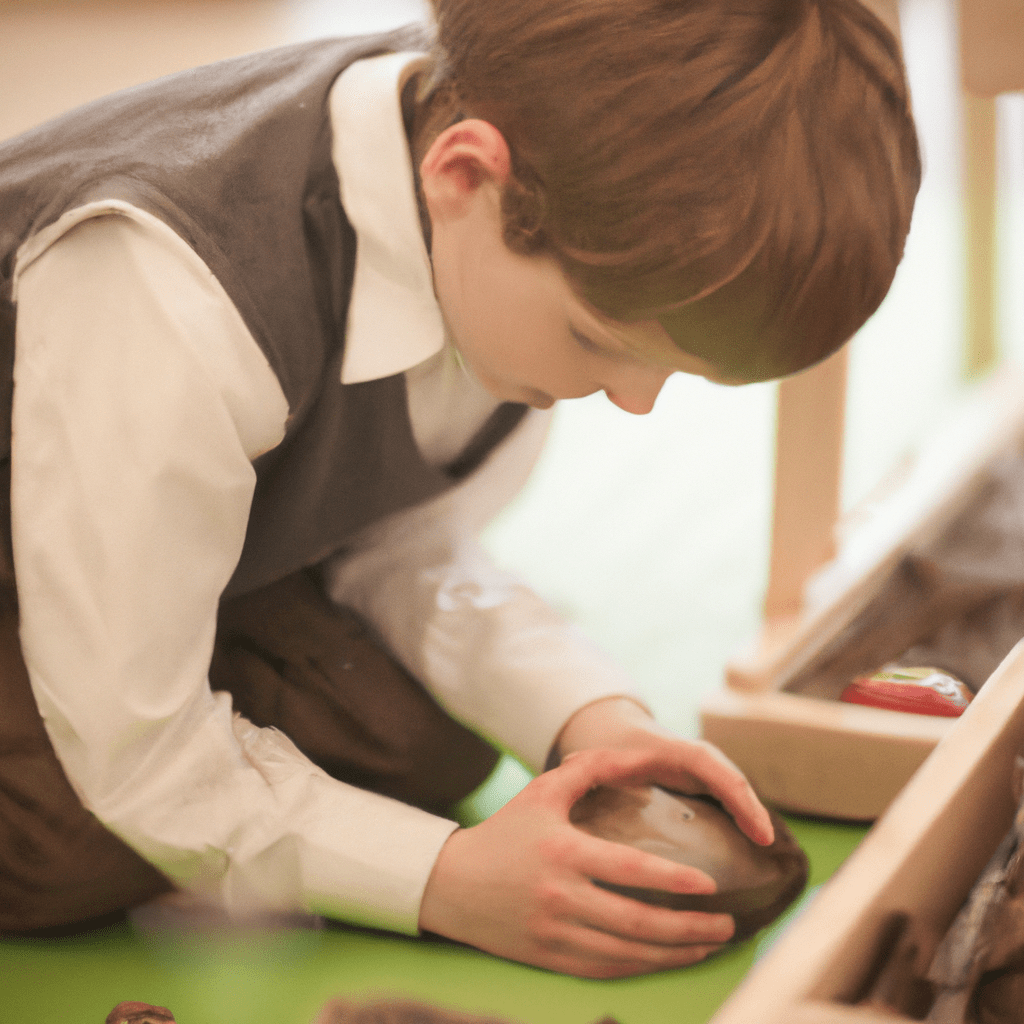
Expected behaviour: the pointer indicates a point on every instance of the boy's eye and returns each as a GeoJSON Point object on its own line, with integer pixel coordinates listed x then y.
{"type": "Point", "coordinates": [596, 348]}
{"type": "Point", "coordinates": [585, 342]}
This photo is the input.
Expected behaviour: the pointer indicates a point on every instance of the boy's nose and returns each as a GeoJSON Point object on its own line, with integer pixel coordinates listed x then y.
{"type": "Point", "coordinates": [639, 395]}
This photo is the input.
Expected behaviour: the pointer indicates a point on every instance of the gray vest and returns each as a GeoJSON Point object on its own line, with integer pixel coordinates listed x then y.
{"type": "Point", "coordinates": [236, 158]}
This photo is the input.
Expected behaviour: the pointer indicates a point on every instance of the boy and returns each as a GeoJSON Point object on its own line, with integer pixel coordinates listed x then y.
{"type": "Point", "coordinates": [269, 367]}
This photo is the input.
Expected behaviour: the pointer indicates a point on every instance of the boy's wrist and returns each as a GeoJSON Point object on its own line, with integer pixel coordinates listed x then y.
{"type": "Point", "coordinates": [607, 722]}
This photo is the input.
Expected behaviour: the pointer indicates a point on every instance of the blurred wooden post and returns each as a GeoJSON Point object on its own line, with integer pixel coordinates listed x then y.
{"type": "Point", "coordinates": [808, 479]}
{"type": "Point", "coordinates": [991, 61]}
{"type": "Point", "coordinates": [808, 469]}
{"type": "Point", "coordinates": [981, 344]}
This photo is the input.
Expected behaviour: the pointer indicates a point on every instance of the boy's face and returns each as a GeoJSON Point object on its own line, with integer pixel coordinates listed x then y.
{"type": "Point", "coordinates": [521, 327]}
{"type": "Point", "coordinates": [528, 337]}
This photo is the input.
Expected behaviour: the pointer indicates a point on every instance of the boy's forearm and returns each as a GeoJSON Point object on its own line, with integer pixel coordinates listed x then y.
{"type": "Point", "coordinates": [607, 722]}
{"type": "Point", "coordinates": [142, 527]}
{"type": "Point", "coordinates": [484, 644]}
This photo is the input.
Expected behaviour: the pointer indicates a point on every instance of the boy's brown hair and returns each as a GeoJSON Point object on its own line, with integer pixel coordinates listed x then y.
{"type": "Point", "coordinates": [745, 170]}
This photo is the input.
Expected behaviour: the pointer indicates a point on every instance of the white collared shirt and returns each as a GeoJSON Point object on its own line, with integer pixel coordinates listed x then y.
{"type": "Point", "coordinates": [141, 400]}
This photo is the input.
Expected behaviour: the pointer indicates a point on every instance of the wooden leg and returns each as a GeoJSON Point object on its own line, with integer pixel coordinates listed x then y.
{"type": "Point", "coordinates": [808, 477]}
{"type": "Point", "coordinates": [981, 350]}
{"type": "Point", "coordinates": [808, 471]}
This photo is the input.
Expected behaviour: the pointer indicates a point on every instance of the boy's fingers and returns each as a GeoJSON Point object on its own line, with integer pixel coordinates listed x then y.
{"type": "Point", "coordinates": [581, 771]}
{"type": "Point", "coordinates": [727, 783]}
{"type": "Point", "coordinates": [751, 815]}
{"type": "Point", "coordinates": [598, 954]}
{"type": "Point", "coordinates": [585, 769]}
{"type": "Point", "coordinates": [619, 864]}
{"type": "Point", "coordinates": [740, 800]}
{"type": "Point", "coordinates": [678, 766]}
{"type": "Point", "coordinates": [640, 922]}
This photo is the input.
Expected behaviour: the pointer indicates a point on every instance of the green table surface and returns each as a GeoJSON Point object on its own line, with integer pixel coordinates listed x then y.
{"type": "Point", "coordinates": [284, 977]}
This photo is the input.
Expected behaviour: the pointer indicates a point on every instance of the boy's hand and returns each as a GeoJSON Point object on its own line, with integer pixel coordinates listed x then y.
{"type": "Point", "coordinates": [519, 884]}
{"type": "Point", "coordinates": [621, 724]}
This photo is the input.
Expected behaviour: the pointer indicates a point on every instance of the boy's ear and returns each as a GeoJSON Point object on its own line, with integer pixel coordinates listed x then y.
{"type": "Point", "coordinates": [463, 157]}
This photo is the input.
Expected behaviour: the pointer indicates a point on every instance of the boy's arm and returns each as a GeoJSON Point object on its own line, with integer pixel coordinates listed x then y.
{"type": "Point", "coordinates": [520, 884]}
{"type": "Point", "coordinates": [490, 650]}
{"type": "Point", "coordinates": [138, 410]}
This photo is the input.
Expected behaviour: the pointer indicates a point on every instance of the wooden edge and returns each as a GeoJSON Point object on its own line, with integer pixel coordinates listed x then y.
{"type": "Point", "coordinates": [827, 715]}
{"type": "Point", "coordinates": [914, 861]}
{"type": "Point", "coordinates": [812, 756]}
{"type": "Point", "coordinates": [991, 40]}
{"type": "Point", "coordinates": [933, 489]}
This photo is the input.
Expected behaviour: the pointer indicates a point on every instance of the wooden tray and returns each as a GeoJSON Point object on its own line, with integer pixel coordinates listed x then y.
{"type": "Point", "coordinates": [820, 756]}
{"type": "Point", "coordinates": [920, 860]}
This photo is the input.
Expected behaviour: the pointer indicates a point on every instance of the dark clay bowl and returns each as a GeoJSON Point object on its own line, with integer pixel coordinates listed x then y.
{"type": "Point", "coordinates": [755, 883]}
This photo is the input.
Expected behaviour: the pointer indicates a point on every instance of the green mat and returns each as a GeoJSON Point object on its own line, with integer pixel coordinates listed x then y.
{"type": "Point", "coordinates": [284, 977]}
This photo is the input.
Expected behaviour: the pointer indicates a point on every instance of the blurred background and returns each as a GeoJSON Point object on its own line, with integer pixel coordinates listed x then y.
{"type": "Point", "coordinates": [652, 533]}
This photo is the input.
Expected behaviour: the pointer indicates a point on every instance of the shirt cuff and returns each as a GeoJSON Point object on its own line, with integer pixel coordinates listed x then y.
{"type": "Point", "coordinates": [358, 856]}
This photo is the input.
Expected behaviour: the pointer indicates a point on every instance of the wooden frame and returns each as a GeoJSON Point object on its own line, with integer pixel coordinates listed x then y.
{"type": "Point", "coordinates": [920, 860]}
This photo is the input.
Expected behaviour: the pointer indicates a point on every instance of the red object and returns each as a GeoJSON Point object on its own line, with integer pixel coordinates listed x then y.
{"type": "Point", "coordinates": [921, 691]}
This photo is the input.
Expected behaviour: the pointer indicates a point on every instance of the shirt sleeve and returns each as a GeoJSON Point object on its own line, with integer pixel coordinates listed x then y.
{"type": "Point", "coordinates": [140, 402]}
{"type": "Point", "coordinates": [492, 652]}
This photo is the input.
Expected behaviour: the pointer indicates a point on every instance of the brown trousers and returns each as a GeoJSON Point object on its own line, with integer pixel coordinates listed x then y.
{"type": "Point", "coordinates": [290, 659]}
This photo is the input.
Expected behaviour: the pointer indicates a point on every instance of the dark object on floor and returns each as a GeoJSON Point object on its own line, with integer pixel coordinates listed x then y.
{"type": "Point", "coordinates": [979, 966]}
{"type": "Point", "coordinates": [402, 1011]}
{"type": "Point", "coordinates": [139, 1013]}
{"type": "Point", "coordinates": [755, 883]}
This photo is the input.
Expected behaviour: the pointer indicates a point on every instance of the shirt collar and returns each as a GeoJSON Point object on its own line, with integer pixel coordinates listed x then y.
{"type": "Point", "coordinates": [394, 321]}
